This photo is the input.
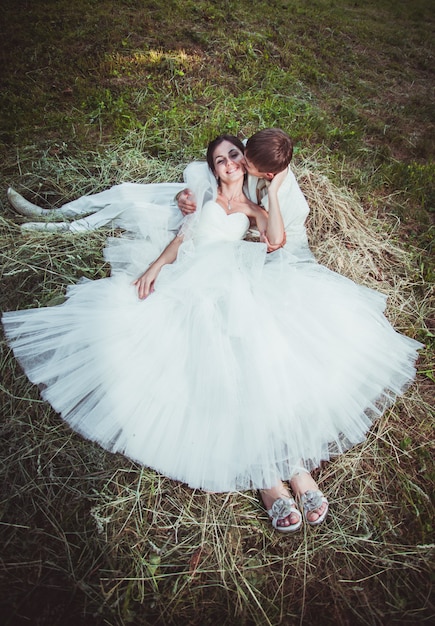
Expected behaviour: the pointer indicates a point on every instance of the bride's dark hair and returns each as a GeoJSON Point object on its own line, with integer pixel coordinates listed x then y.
{"type": "Point", "coordinates": [216, 142]}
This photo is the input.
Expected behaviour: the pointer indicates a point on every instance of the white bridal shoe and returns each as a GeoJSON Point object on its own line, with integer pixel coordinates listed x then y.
{"type": "Point", "coordinates": [311, 501]}
{"type": "Point", "coordinates": [282, 508]}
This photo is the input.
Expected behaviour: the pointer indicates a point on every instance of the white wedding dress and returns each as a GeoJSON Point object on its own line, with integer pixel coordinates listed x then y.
{"type": "Point", "coordinates": [239, 367]}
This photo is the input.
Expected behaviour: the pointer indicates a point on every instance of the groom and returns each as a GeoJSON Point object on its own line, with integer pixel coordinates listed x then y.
{"type": "Point", "coordinates": [268, 152]}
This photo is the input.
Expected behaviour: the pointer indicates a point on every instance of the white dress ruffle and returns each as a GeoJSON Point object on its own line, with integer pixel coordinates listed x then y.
{"type": "Point", "coordinates": [239, 367]}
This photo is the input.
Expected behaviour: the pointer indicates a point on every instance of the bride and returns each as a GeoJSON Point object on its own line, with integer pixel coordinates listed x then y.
{"type": "Point", "coordinates": [219, 366]}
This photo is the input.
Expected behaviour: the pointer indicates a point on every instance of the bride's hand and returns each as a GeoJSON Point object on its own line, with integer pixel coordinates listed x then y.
{"type": "Point", "coordinates": [277, 180]}
{"type": "Point", "coordinates": [145, 282]}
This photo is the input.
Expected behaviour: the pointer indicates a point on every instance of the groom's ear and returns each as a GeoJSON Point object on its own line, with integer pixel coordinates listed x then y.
{"type": "Point", "coordinates": [269, 176]}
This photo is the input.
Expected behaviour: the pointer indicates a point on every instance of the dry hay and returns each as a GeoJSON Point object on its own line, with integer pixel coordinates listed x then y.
{"type": "Point", "coordinates": [91, 538]}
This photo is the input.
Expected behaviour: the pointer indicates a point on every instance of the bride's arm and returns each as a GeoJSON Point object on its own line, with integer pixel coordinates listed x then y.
{"type": "Point", "coordinates": [271, 225]}
{"type": "Point", "coordinates": [145, 282]}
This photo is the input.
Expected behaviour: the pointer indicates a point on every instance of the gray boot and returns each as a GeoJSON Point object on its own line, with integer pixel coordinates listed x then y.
{"type": "Point", "coordinates": [48, 227]}
{"type": "Point", "coordinates": [26, 208]}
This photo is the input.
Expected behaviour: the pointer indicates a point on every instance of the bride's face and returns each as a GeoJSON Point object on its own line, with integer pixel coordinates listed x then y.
{"type": "Point", "coordinates": [228, 162]}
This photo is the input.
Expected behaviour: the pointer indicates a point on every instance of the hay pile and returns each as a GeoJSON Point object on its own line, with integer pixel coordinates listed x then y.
{"type": "Point", "coordinates": [91, 538]}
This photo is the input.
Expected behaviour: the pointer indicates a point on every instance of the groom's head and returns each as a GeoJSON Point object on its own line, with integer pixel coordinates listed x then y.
{"type": "Point", "coordinates": [268, 152]}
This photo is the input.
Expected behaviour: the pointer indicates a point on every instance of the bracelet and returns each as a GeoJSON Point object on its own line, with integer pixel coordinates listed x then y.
{"type": "Point", "coordinates": [271, 247]}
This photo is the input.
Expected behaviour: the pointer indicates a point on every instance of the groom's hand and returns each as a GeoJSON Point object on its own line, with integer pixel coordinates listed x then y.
{"type": "Point", "coordinates": [186, 202]}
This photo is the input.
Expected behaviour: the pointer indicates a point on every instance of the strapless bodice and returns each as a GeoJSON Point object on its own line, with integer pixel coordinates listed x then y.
{"type": "Point", "coordinates": [214, 224]}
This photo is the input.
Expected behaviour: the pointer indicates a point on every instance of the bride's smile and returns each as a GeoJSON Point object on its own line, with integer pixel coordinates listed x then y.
{"type": "Point", "coordinates": [228, 162]}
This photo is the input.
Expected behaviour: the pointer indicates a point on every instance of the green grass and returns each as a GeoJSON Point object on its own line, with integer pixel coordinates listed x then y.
{"type": "Point", "coordinates": [326, 55]}
{"type": "Point", "coordinates": [97, 92]}
{"type": "Point", "coordinates": [353, 80]}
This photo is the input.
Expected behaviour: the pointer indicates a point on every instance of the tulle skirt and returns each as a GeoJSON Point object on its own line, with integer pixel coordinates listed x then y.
{"type": "Point", "coordinates": [237, 369]}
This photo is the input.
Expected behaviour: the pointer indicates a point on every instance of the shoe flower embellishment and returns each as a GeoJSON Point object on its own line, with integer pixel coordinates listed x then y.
{"type": "Point", "coordinates": [281, 508]}
{"type": "Point", "coordinates": [312, 500]}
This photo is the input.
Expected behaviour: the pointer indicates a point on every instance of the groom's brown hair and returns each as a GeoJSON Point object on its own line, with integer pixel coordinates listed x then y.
{"type": "Point", "coordinates": [269, 150]}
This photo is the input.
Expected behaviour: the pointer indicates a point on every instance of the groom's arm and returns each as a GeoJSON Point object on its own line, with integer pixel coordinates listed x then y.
{"type": "Point", "coordinates": [200, 186]}
{"type": "Point", "coordinates": [186, 201]}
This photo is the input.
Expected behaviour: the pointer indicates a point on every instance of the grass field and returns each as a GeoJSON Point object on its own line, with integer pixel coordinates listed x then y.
{"type": "Point", "coordinates": [98, 92]}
